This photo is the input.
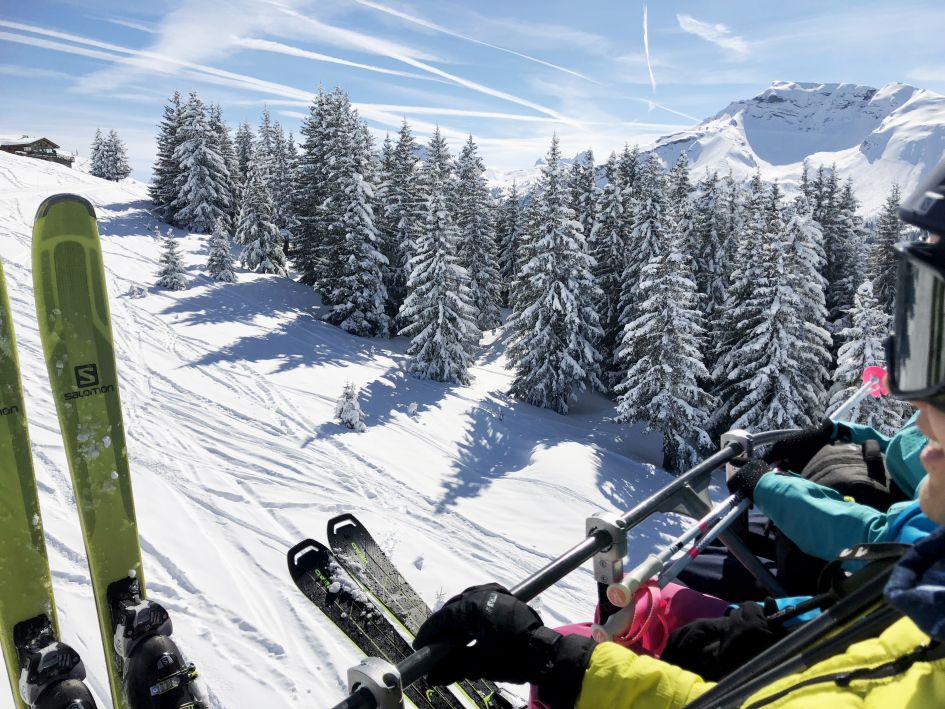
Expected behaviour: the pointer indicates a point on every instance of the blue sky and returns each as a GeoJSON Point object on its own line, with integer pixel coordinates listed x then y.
{"type": "Point", "coordinates": [599, 74]}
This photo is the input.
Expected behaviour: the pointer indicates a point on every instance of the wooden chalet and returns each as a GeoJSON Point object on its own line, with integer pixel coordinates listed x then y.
{"type": "Point", "coordinates": [40, 148]}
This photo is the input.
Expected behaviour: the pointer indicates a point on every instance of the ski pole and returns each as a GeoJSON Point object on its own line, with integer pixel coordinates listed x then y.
{"type": "Point", "coordinates": [873, 385]}
{"type": "Point", "coordinates": [619, 622]}
{"type": "Point", "coordinates": [621, 593]}
{"type": "Point", "coordinates": [700, 546]}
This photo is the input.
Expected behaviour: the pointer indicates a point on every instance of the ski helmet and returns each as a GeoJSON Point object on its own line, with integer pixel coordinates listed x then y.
{"type": "Point", "coordinates": [915, 351]}
{"type": "Point", "coordinates": [925, 208]}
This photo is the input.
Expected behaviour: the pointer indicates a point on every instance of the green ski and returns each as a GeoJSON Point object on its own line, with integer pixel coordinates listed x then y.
{"type": "Point", "coordinates": [75, 328]}
{"type": "Point", "coordinates": [29, 628]}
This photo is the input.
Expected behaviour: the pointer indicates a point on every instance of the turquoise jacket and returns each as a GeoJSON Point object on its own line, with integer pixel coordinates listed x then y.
{"type": "Point", "coordinates": [822, 522]}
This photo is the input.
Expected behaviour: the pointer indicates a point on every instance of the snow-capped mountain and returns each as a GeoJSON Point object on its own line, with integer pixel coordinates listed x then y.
{"type": "Point", "coordinates": [876, 136]}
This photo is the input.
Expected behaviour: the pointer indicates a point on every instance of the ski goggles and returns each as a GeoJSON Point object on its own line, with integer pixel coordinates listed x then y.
{"type": "Point", "coordinates": [915, 351]}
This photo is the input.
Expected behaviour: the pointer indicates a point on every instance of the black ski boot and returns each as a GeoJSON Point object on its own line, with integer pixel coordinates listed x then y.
{"type": "Point", "coordinates": [51, 672]}
{"type": "Point", "coordinates": [154, 674]}
{"type": "Point", "coordinates": [157, 678]}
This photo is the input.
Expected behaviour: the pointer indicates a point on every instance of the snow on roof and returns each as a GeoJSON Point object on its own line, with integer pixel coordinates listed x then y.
{"type": "Point", "coordinates": [19, 140]}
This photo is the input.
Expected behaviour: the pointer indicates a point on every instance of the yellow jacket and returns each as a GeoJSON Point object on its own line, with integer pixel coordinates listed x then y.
{"type": "Point", "coordinates": [620, 679]}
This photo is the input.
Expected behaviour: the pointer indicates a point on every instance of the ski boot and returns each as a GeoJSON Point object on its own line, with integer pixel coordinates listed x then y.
{"type": "Point", "coordinates": [154, 673]}
{"type": "Point", "coordinates": [51, 672]}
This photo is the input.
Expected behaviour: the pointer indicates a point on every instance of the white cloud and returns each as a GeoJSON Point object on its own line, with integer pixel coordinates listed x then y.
{"type": "Point", "coordinates": [717, 34]}
{"type": "Point", "coordinates": [280, 48]}
{"type": "Point", "coordinates": [30, 72]}
{"type": "Point", "coordinates": [149, 62]}
{"type": "Point", "coordinates": [646, 49]}
{"type": "Point", "coordinates": [439, 28]}
{"type": "Point", "coordinates": [374, 45]}
{"type": "Point", "coordinates": [131, 24]}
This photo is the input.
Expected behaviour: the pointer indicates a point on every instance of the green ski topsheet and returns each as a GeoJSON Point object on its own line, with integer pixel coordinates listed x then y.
{"type": "Point", "coordinates": [25, 585]}
{"type": "Point", "coordinates": [75, 327]}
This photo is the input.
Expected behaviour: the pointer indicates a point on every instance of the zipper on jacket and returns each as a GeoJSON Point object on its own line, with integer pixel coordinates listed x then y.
{"type": "Point", "coordinates": [924, 653]}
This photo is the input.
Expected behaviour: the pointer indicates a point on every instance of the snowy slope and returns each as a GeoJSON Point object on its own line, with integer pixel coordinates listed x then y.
{"type": "Point", "coordinates": [229, 392]}
{"type": "Point", "coordinates": [895, 134]}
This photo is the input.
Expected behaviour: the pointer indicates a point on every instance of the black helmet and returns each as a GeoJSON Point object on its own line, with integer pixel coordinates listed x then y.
{"type": "Point", "coordinates": [925, 208]}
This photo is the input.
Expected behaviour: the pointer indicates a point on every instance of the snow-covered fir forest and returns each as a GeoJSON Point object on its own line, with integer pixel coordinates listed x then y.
{"type": "Point", "coordinates": [697, 306]}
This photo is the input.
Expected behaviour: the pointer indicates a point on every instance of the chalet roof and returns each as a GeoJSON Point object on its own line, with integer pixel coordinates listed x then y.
{"type": "Point", "coordinates": [22, 140]}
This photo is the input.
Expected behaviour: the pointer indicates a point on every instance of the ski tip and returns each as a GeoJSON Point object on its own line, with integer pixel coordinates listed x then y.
{"type": "Point", "coordinates": [304, 556]}
{"type": "Point", "coordinates": [67, 198]}
{"type": "Point", "coordinates": [343, 520]}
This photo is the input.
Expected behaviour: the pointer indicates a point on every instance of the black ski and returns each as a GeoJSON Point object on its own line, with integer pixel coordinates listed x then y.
{"type": "Point", "coordinates": [322, 579]}
{"type": "Point", "coordinates": [362, 557]}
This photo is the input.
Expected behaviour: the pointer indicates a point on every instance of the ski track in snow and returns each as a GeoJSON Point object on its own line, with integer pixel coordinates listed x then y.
{"type": "Point", "coordinates": [236, 458]}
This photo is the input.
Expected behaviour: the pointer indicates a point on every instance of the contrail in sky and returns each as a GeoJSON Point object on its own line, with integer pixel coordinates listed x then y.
{"type": "Point", "coordinates": [646, 50]}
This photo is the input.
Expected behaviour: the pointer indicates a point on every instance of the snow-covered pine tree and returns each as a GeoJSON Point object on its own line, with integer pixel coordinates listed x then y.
{"type": "Point", "coordinates": [776, 369]}
{"type": "Point", "coordinates": [608, 247]}
{"type": "Point", "coordinates": [350, 151]}
{"type": "Point", "coordinates": [731, 207]}
{"type": "Point", "coordinates": [835, 210]}
{"type": "Point", "coordinates": [244, 151]}
{"type": "Point", "coordinates": [849, 257]}
{"type": "Point", "coordinates": [508, 231]}
{"type": "Point", "coordinates": [710, 257]}
{"type": "Point", "coordinates": [730, 328]}
{"type": "Point", "coordinates": [679, 192]}
{"type": "Point", "coordinates": [348, 410]}
{"type": "Point", "coordinates": [166, 169]}
{"type": "Point", "coordinates": [382, 222]}
{"type": "Point", "coordinates": [171, 275]}
{"type": "Point", "coordinates": [662, 385]}
{"type": "Point", "coordinates": [521, 288]}
{"type": "Point", "coordinates": [262, 243]}
{"type": "Point", "coordinates": [477, 246]}
{"type": "Point", "coordinates": [264, 146]}
{"type": "Point", "coordinates": [97, 167]}
{"type": "Point", "coordinates": [438, 310]}
{"type": "Point", "coordinates": [652, 223]}
{"type": "Point", "coordinates": [229, 178]}
{"type": "Point", "coordinates": [115, 158]}
{"type": "Point", "coordinates": [582, 185]}
{"type": "Point", "coordinates": [281, 184]}
{"type": "Point", "coordinates": [554, 327]}
{"type": "Point", "coordinates": [310, 190]}
{"type": "Point", "coordinates": [883, 262]}
{"type": "Point", "coordinates": [631, 173]}
{"type": "Point", "coordinates": [864, 347]}
{"type": "Point", "coordinates": [401, 203]}
{"type": "Point", "coordinates": [200, 187]}
{"type": "Point", "coordinates": [330, 132]}
{"type": "Point", "coordinates": [220, 261]}
{"type": "Point", "coordinates": [359, 297]}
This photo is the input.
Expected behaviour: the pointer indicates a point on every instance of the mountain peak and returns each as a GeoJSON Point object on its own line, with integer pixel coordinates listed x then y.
{"type": "Point", "coordinates": [895, 133]}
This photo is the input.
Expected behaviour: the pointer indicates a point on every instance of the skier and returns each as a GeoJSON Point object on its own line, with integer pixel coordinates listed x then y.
{"type": "Point", "coordinates": [906, 662]}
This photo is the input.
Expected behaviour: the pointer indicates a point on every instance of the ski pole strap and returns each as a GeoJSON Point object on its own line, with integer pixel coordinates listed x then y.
{"type": "Point", "coordinates": [835, 583]}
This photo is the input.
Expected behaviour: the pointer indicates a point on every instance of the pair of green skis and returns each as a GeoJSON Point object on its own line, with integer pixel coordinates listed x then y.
{"type": "Point", "coordinates": [75, 328]}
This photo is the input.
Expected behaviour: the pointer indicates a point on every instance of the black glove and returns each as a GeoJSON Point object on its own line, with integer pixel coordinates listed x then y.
{"type": "Point", "coordinates": [501, 638]}
{"type": "Point", "coordinates": [795, 451]}
{"type": "Point", "coordinates": [713, 647]}
{"type": "Point", "coordinates": [743, 482]}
